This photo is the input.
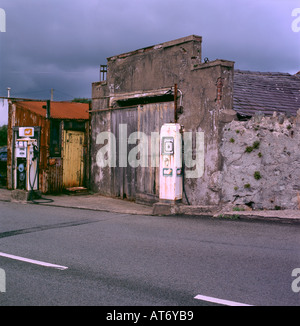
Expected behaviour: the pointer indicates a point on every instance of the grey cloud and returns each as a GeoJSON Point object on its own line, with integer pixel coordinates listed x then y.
{"type": "Point", "coordinates": [60, 44]}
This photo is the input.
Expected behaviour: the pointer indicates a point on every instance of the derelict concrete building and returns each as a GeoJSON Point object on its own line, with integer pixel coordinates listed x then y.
{"type": "Point", "coordinates": [244, 125]}
{"type": "Point", "coordinates": [143, 90]}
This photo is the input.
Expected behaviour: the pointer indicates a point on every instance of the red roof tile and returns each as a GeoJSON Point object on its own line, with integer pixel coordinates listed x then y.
{"type": "Point", "coordinates": [58, 110]}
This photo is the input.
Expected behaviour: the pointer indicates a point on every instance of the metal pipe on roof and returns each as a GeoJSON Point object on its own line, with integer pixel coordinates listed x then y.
{"type": "Point", "coordinates": [48, 109]}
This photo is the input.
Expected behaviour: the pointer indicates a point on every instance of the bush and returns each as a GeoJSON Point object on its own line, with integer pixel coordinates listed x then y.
{"type": "Point", "coordinates": [3, 135]}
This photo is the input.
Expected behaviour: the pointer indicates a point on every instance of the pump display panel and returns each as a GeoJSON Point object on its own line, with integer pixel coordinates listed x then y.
{"type": "Point", "coordinates": [167, 146]}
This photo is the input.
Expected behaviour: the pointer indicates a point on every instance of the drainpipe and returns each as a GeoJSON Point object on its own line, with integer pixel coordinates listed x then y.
{"type": "Point", "coordinates": [175, 102]}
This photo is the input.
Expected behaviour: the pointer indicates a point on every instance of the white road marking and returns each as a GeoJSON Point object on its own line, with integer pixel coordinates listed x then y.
{"type": "Point", "coordinates": [32, 261]}
{"type": "Point", "coordinates": [220, 301]}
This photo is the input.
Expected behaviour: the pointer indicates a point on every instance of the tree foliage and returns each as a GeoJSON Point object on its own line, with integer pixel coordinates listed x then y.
{"type": "Point", "coordinates": [81, 100]}
{"type": "Point", "coordinates": [3, 135]}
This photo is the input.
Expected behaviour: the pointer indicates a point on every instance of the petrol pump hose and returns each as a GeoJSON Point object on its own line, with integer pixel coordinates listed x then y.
{"type": "Point", "coordinates": [31, 193]}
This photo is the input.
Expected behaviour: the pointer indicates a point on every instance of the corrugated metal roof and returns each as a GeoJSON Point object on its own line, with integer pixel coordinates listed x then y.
{"type": "Point", "coordinates": [266, 92]}
{"type": "Point", "coordinates": [58, 110]}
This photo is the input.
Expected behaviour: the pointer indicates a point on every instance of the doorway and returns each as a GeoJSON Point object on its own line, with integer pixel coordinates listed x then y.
{"type": "Point", "coordinates": [73, 159]}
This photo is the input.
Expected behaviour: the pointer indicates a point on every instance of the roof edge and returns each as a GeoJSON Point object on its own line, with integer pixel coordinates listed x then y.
{"type": "Point", "coordinates": [264, 73]}
{"type": "Point", "coordinates": [182, 40]}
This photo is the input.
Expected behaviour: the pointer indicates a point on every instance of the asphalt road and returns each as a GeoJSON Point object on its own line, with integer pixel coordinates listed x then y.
{"type": "Point", "coordinates": [109, 259]}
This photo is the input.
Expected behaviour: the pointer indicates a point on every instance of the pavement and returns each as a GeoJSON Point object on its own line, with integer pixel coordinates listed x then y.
{"type": "Point", "coordinates": [97, 202]}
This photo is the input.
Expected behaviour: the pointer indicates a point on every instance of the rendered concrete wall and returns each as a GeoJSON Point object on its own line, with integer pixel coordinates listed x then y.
{"type": "Point", "coordinates": [207, 106]}
{"type": "Point", "coordinates": [206, 90]}
{"type": "Point", "coordinates": [154, 67]}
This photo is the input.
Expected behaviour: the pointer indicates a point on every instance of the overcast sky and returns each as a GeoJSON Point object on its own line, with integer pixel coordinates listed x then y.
{"type": "Point", "coordinates": [61, 44]}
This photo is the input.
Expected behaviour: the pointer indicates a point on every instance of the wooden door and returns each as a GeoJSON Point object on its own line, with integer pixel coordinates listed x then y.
{"type": "Point", "coordinates": [73, 160]}
{"type": "Point", "coordinates": [124, 175]}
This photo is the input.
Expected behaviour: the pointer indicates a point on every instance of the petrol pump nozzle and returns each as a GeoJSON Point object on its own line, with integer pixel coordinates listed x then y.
{"type": "Point", "coordinates": [35, 152]}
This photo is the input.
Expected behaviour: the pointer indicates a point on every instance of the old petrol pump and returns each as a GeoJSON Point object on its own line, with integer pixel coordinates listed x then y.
{"type": "Point", "coordinates": [171, 173]}
{"type": "Point", "coordinates": [26, 159]}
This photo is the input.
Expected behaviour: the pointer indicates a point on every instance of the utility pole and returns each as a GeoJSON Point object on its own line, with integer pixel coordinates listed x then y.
{"type": "Point", "coordinates": [52, 94]}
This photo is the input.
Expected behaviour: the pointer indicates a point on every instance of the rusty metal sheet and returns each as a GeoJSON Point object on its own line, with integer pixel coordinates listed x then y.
{"type": "Point", "coordinates": [32, 113]}
{"type": "Point", "coordinates": [58, 110]}
{"type": "Point", "coordinates": [21, 117]}
{"type": "Point", "coordinates": [55, 179]}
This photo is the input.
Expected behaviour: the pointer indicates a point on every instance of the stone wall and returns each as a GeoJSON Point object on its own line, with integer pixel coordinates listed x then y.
{"type": "Point", "coordinates": [261, 162]}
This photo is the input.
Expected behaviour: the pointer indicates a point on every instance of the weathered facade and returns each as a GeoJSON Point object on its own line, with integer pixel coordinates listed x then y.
{"type": "Point", "coordinates": [249, 120]}
{"type": "Point", "coordinates": [261, 161]}
{"type": "Point", "coordinates": [63, 142]}
{"type": "Point", "coordinates": [139, 95]}
{"type": "Point", "coordinates": [261, 166]}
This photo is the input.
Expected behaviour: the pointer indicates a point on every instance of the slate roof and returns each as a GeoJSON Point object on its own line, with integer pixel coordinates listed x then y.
{"type": "Point", "coordinates": [58, 110]}
{"type": "Point", "coordinates": [266, 92]}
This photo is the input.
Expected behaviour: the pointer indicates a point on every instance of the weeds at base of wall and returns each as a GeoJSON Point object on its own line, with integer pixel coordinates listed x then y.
{"type": "Point", "coordinates": [238, 209]}
{"type": "Point", "coordinates": [232, 217]}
